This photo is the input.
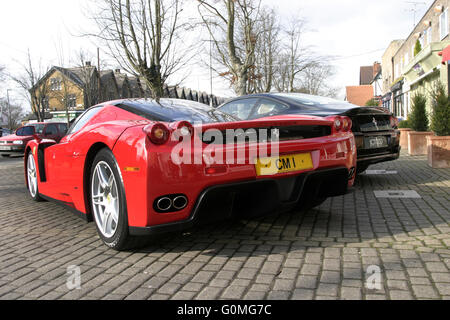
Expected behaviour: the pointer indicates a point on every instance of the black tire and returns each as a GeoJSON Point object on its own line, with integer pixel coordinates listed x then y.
{"type": "Point", "coordinates": [361, 168]}
{"type": "Point", "coordinates": [33, 194]}
{"type": "Point", "coordinates": [120, 240]}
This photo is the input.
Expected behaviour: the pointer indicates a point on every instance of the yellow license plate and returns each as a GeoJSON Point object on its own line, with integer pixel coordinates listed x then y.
{"type": "Point", "coordinates": [283, 164]}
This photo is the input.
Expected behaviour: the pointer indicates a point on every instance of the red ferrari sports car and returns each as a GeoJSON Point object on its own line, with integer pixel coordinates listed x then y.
{"type": "Point", "coordinates": [121, 166]}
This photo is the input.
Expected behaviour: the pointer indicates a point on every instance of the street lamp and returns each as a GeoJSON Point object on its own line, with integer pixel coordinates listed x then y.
{"type": "Point", "coordinates": [9, 109]}
{"type": "Point", "coordinates": [1, 113]}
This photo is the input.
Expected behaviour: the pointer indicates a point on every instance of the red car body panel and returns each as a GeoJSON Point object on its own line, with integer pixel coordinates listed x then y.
{"type": "Point", "coordinates": [148, 172]}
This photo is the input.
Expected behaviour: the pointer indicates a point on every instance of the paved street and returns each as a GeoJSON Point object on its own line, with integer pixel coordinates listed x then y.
{"type": "Point", "coordinates": [322, 254]}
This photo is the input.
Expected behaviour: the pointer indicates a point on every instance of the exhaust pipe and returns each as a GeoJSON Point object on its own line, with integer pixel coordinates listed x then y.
{"type": "Point", "coordinates": [180, 202]}
{"type": "Point", "coordinates": [164, 204]}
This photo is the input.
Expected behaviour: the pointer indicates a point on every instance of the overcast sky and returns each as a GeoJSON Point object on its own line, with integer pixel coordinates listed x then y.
{"type": "Point", "coordinates": [354, 32]}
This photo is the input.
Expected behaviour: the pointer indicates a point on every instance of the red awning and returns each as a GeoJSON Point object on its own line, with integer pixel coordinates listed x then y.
{"type": "Point", "coordinates": [445, 54]}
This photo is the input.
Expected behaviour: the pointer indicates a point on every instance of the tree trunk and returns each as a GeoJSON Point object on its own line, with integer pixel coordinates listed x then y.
{"type": "Point", "coordinates": [240, 86]}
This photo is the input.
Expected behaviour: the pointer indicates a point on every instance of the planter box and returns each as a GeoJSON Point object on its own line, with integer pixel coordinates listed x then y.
{"type": "Point", "coordinates": [439, 152]}
{"type": "Point", "coordinates": [404, 138]}
{"type": "Point", "coordinates": [417, 142]}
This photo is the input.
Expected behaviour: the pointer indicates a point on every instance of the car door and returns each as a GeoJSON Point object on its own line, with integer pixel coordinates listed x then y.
{"type": "Point", "coordinates": [61, 158]}
{"type": "Point", "coordinates": [241, 109]}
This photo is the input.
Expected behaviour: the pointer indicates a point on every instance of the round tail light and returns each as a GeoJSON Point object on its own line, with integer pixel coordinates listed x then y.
{"type": "Point", "coordinates": [185, 129]}
{"type": "Point", "coordinates": [338, 123]}
{"type": "Point", "coordinates": [158, 134]}
{"type": "Point", "coordinates": [346, 124]}
{"type": "Point", "coordinates": [394, 122]}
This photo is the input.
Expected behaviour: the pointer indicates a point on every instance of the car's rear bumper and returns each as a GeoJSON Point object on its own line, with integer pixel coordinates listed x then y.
{"type": "Point", "coordinates": [373, 156]}
{"type": "Point", "coordinates": [377, 158]}
{"type": "Point", "coordinates": [255, 198]}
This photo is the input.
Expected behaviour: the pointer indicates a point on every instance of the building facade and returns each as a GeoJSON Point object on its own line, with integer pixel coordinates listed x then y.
{"type": "Point", "coordinates": [413, 71]}
{"type": "Point", "coordinates": [387, 76]}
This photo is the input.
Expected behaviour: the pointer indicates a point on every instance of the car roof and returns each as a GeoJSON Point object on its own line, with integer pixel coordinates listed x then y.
{"type": "Point", "coordinates": [172, 110]}
{"type": "Point", "coordinates": [327, 106]}
{"type": "Point", "coordinates": [44, 123]}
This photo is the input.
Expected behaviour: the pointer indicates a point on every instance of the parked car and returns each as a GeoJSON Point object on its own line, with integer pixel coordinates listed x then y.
{"type": "Point", "coordinates": [14, 144]}
{"type": "Point", "coordinates": [4, 132]}
{"type": "Point", "coordinates": [116, 167]}
{"type": "Point", "coordinates": [375, 129]}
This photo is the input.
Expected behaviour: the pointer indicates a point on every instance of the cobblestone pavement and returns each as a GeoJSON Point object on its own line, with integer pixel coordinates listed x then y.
{"type": "Point", "coordinates": [322, 254]}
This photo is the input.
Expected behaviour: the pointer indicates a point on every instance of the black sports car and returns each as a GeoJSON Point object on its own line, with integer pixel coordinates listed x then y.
{"type": "Point", "coordinates": [375, 129]}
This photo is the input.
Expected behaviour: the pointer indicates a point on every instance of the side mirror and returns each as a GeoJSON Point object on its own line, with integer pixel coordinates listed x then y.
{"type": "Point", "coordinates": [37, 138]}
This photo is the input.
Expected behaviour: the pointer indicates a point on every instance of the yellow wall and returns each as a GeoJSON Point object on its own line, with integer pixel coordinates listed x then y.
{"type": "Point", "coordinates": [56, 97]}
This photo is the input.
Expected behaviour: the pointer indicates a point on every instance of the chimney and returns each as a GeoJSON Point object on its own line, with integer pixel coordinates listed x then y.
{"type": "Point", "coordinates": [376, 68]}
{"type": "Point", "coordinates": [88, 63]}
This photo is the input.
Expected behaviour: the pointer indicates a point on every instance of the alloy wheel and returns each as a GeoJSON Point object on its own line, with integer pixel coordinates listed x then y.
{"type": "Point", "coordinates": [32, 175]}
{"type": "Point", "coordinates": [105, 199]}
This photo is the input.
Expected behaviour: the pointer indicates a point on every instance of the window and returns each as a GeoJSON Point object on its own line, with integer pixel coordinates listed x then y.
{"type": "Point", "coordinates": [51, 130]}
{"type": "Point", "coordinates": [83, 120]}
{"type": "Point", "coordinates": [429, 34]}
{"type": "Point", "coordinates": [55, 84]}
{"type": "Point", "coordinates": [422, 40]}
{"type": "Point", "coordinates": [267, 108]}
{"type": "Point", "coordinates": [71, 101]}
{"type": "Point", "coordinates": [240, 108]}
{"type": "Point", "coordinates": [443, 24]}
{"type": "Point", "coordinates": [39, 128]}
{"type": "Point", "coordinates": [25, 131]}
{"type": "Point", "coordinates": [62, 128]}
{"type": "Point", "coordinates": [45, 104]}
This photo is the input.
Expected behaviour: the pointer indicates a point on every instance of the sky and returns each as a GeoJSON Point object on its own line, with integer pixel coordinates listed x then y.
{"type": "Point", "coordinates": [353, 32]}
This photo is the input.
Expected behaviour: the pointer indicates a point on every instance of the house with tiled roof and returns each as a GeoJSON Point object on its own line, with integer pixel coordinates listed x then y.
{"type": "Point", "coordinates": [370, 85]}
{"type": "Point", "coordinates": [64, 92]}
{"type": "Point", "coordinates": [359, 95]}
{"type": "Point", "coordinates": [69, 91]}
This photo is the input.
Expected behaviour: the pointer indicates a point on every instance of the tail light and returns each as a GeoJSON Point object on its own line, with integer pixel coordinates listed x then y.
{"type": "Point", "coordinates": [346, 124]}
{"type": "Point", "coordinates": [158, 133]}
{"type": "Point", "coordinates": [341, 124]}
{"type": "Point", "coordinates": [184, 129]}
{"type": "Point", "coordinates": [394, 122]}
{"type": "Point", "coordinates": [338, 123]}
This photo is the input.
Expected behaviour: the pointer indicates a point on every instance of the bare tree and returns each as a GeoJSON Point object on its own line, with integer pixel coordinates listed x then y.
{"type": "Point", "coordinates": [299, 57]}
{"type": "Point", "coordinates": [2, 72]}
{"type": "Point", "coordinates": [34, 90]}
{"type": "Point", "coordinates": [142, 36]}
{"type": "Point", "coordinates": [89, 76]}
{"type": "Point", "coordinates": [314, 80]}
{"type": "Point", "coordinates": [266, 53]}
{"type": "Point", "coordinates": [14, 112]}
{"type": "Point", "coordinates": [232, 26]}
